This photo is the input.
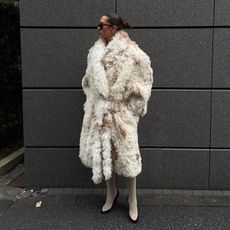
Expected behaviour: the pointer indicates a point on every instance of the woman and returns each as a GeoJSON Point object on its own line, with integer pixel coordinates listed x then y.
{"type": "Point", "coordinates": [117, 84]}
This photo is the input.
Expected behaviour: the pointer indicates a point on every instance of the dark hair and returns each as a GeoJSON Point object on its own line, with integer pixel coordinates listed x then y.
{"type": "Point", "coordinates": [115, 19]}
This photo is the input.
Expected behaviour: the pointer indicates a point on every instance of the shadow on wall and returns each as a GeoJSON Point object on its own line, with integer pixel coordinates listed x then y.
{"type": "Point", "coordinates": [11, 128]}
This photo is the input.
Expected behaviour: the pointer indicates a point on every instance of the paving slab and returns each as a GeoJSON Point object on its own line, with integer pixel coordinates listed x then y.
{"type": "Point", "coordinates": [71, 211]}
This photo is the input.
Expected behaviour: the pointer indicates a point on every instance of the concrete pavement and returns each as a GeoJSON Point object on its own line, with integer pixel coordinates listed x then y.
{"type": "Point", "coordinates": [71, 208]}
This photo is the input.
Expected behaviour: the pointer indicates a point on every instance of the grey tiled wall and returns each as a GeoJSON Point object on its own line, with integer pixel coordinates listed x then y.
{"type": "Point", "coordinates": [185, 136]}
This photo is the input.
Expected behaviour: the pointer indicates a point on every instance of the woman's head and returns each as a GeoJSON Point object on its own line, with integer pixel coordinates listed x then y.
{"type": "Point", "coordinates": [109, 24]}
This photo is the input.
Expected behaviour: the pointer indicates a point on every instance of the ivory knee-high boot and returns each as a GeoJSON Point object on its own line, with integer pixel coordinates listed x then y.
{"type": "Point", "coordinates": [112, 193]}
{"type": "Point", "coordinates": [132, 199]}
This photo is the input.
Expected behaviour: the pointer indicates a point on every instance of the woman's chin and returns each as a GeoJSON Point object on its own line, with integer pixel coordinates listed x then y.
{"type": "Point", "coordinates": [103, 38]}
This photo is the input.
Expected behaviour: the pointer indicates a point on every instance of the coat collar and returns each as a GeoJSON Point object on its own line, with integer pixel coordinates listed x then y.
{"type": "Point", "coordinates": [119, 42]}
{"type": "Point", "coordinates": [100, 52]}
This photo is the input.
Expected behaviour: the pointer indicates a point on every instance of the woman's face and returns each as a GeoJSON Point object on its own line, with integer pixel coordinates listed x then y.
{"type": "Point", "coordinates": [106, 31]}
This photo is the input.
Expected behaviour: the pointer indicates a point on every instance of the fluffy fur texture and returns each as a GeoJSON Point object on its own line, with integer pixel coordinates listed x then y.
{"type": "Point", "coordinates": [117, 84]}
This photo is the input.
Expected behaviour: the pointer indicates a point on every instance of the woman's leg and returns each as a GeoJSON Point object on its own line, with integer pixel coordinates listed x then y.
{"type": "Point", "coordinates": [131, 184]}
{"type": "Point", "coordinates": [111, 192]}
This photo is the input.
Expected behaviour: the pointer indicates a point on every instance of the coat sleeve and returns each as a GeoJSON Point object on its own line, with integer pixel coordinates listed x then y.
{"type": "Point", "coordinates": [138, 87]}
{"type": "Point", "coordinates": [85, 82]}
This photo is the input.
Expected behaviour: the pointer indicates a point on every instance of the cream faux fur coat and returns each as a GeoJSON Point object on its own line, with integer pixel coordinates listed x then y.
{"type": "Point", "coordinates": [117, 84]}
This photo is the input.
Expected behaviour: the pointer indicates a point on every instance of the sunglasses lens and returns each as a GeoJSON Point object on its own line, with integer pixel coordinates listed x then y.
{"type": "Point", "coordinates": [99, 26]}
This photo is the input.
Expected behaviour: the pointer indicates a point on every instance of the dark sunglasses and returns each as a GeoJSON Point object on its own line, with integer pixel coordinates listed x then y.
{"type": "Point", "coordinates": [101, 24]}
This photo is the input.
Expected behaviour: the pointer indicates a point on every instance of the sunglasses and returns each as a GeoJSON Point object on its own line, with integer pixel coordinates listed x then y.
{"type": "Point", "coordinates": [101, 24]}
